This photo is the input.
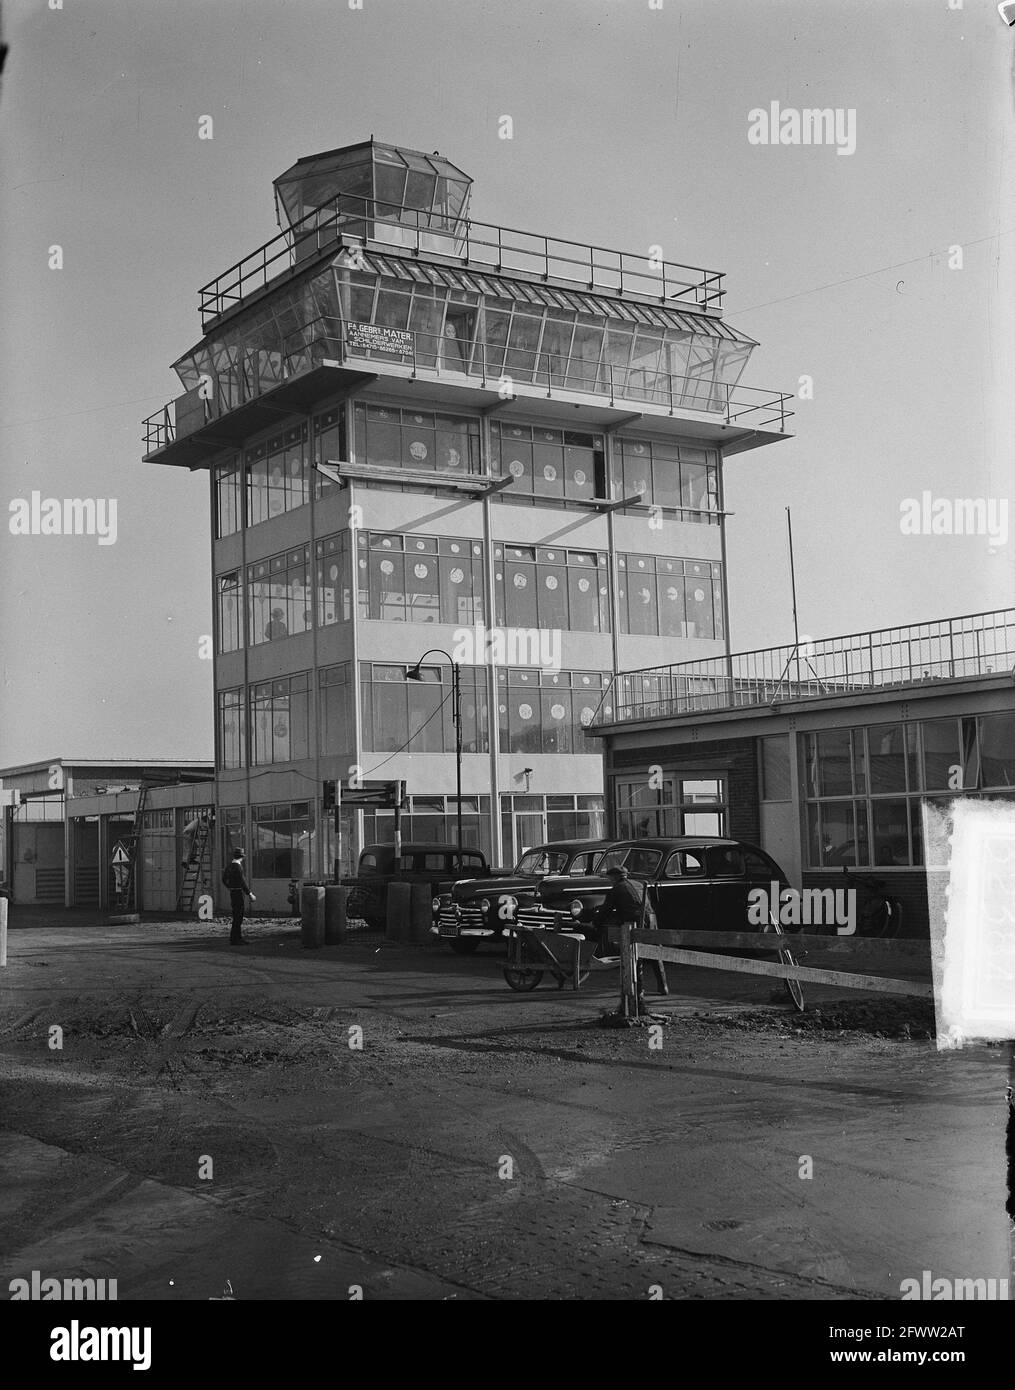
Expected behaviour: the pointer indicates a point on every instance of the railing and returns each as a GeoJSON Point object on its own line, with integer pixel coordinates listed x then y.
{"type": "Point", "coordinates": [975, 645]}
{"type": "Point", "coordinates": [481, 245]}
{"type": "Point", "coordinates": [328, 338]}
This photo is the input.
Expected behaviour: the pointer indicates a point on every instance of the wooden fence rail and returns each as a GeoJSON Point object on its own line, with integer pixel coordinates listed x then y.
{"type": "Point", "coordinates": [673, 946]}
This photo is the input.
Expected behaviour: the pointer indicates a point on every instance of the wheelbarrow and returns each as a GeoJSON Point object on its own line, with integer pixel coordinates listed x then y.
{"type": "Point", "coordinates": [537, 951]}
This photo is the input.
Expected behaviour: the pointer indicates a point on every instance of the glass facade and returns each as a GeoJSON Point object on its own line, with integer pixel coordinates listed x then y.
{"type": "Point", "coordinates": [674, 477]}
{"type": "Point", "coordinates": [283, 834]}
{"type": "Point", "coordinates": [334, 591]}
{"type": "Point", "coordinates": [279, 597]}
{"type": "Point", "coordinates": [278, 475]}
{"type": "Point", "coordinates": [232, 729]}
{"type": "Point", "coordinates": [229, 605]}
{"type": "Point", "coordinates": [540, 587]}
{"type": "Point", "coordinates": [669, 597]}
{"type": "Point", "coordinates": [228, 499]}
{"type": "Point", "coordinates": [416, 716]}
{"type": "Point", "coordinates": [280, 720]}
{"type": "Point", "coordinates": [550, 463]}
{"type": "Point", "coordinates": [420, 579]}
{"type": "Point", "coordinates": [335, 707]}
{"type": "Point", "coordinates": [547, 712]}
{"type": "Point", "coordinates": [389, 437]}
{"type": "Point", "coordinates": [864, 786]}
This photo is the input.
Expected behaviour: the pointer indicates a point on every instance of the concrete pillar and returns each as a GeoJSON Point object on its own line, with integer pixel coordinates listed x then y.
{"type": "Point", "coordinates": [335, 915]}
{"type": "Point", "coordinates": [420, 913]}
{"type": "Point", "coordinates": [398, 912]}
{"type": "Point", "coordinates": [312, 916]}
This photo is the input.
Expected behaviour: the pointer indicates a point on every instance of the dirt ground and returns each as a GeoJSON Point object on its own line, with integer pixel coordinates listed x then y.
{"type": "Point", "coordinates": [209, 1126]}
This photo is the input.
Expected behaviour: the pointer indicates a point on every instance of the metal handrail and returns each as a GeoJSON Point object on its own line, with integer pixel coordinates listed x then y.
{"type": "Point", "coordinates": [534, 367]}
{"type": "Point", "coordinates": [917, 653]}
{"type": "Point", "coordinates": [471, 242]}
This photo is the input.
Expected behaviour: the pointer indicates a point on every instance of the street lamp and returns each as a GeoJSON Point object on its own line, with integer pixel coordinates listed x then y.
{"type": "Point", "coordinates": [416, 674]}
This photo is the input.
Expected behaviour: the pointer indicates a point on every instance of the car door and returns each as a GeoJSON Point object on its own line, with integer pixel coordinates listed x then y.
{"type": "Point", "coordinates": [681, 892]}
{"type": "Point", "coordinates": [728, 888]}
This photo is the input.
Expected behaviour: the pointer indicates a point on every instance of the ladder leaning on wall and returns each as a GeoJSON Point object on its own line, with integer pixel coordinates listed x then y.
{"type": "Point", "coordinates": [197, 865]}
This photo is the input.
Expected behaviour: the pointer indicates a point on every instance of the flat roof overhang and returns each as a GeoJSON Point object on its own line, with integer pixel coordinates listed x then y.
{"type": "Point", "coordinates": [196, 450]}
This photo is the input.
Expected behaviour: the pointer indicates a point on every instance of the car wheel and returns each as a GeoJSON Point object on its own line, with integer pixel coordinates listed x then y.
{"type": "Point", "coordinates": [464, 947]}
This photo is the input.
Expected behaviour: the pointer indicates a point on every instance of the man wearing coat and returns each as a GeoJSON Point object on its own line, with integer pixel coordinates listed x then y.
{"type": "Point", "coordinates": [239, 889]}
{"type": "Point", "coordinates": [628, 901]}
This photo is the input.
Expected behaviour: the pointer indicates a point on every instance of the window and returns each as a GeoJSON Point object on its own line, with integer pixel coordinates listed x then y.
{"type": "Point", "coordinates": [334, 594]}
{"type": "Point", "coordinates": [684, 863]}
{"type": "Point", "coordinates": [336, 712]}
{"type": "Point", "coordinates": [283, 833]}
{"type": "Point", "coordinates": [865, 785]}
{"type": "Point", "coordinates": [280, 720]}
{"type": "Point", "coordinates": [643, 862]}
{"type": "Point", "coordinates": [399, 713]}
{"type": "Point", "coordinates": [775, 784]}
{"type": "Point", "coordinates": [420, 579]}
{"type": "Point", "coordinates": [233, 826]}
{"type": "Point", "coordinates": [434, 820]}
{"type": "Point", "coordinates": [549, 465]}
{"type": "Point", "coordinates": [675, 477]}
{"type": "Point", "coordinates": [540, 587]}
{"type": "Point", "coordinates": [228, 499]}
{"type": "Point", "coordinates": [279, 597]}
{"type": "Point", "coordinates": [395, 438]}
{"type": "Point", "coordinates": [547, 712]}
{"type": "Point", "coordinates": [232, 729]}
{"type": "Point", "coordinates": [278, 475]}
{"type": "Point", "coordinates": [997, 750]}
{"type": "Point", "coordinates": [329, 447]}
{"type": "Point", "coordinates": [724, 862]}
{"type": "Point", "coordinates": [229, 596]}
{"type": "Point", "coordinates": [663, 597]}
{"type": "Point", "coordinates": [670, 805]}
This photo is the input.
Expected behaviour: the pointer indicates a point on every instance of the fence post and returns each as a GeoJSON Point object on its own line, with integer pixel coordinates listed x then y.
{"type": "Point", "coordinates": [628, 973]}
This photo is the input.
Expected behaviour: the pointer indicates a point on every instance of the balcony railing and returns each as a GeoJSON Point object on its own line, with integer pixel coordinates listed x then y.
{"type": "Point", "coordinates": [978, 644]}
{"type": "Point", "coordinates": [482, 245]}
{"type": "Point", "coordinates": [339, 341]}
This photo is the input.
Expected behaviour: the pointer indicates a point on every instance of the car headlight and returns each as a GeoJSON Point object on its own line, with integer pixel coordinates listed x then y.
{"type": "Point", "coordinates": [576, 907]}
{"type": "Point", "coordinates": [484, 905]}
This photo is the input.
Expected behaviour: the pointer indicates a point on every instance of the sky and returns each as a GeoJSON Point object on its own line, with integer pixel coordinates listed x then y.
{"type": "Point", "coordinates": [630, 129]}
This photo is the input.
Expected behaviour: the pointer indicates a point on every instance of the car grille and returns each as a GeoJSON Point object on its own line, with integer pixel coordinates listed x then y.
{"type": "Point", "coordinates": [537, 917]}
{"type": "Point", "coordinates": [449, 919]}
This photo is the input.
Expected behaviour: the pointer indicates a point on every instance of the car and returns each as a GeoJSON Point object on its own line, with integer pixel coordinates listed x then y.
{"type": "Point", "coordinates": [437, 865]}
{"type": "Point", "coordinates": [698, 883]}
{"type": "Point", "coordinates": [475, 910]}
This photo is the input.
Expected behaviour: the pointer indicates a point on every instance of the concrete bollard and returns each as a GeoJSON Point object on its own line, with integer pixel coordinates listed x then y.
{"type": "Point", "coordinates": [312, 916]}
{"type": "Point", "coordinates": [420, 913]}
{"type": "Point", "coordinates": [335, 915]}
{"type": "Point", "coordinates": [397, 928]}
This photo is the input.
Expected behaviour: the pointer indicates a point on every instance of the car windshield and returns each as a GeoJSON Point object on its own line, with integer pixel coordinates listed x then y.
{"type": "Point", "coordinates": [539, 862]}
{"type": "Point", "coordinates": [635, 860]}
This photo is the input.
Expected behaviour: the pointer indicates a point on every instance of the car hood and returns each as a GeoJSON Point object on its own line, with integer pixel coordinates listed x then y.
{"type": "Point", "coordinates": [568, 885]}
{"type": "Point", "coordinates": [487, 888]}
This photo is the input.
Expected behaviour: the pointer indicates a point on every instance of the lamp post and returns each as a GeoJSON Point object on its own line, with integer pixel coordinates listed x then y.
{"type": "Point", "coordinates": [416, 674]}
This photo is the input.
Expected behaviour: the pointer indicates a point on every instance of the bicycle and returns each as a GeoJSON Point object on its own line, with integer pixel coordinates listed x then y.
{"type": "Point", "coordinates": [793, 988]}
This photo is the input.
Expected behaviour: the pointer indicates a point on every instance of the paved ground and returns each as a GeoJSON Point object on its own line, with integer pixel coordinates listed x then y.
{"type": "Point", "coordinates": [481, 1144]}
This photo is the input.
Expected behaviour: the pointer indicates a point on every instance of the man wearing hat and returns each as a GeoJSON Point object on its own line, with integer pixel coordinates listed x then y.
{"type": "Point", "coordinates": [628, 901]}
{"type": "Point", "coordinates": [236, 881]}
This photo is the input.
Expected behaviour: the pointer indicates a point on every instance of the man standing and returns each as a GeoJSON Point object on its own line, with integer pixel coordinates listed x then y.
{"type": "Point", "coordinates": [628, 901]}
{"type": "Point", "coordinates": [236, 881]}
